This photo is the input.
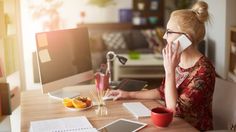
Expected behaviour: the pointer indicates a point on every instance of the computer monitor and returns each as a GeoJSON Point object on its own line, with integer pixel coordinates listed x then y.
{"type": "Point", "coordinates": [64, 60]}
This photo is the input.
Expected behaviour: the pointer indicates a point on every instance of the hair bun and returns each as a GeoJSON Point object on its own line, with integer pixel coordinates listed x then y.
{"type": "Point", "coordinates": [201, 10]}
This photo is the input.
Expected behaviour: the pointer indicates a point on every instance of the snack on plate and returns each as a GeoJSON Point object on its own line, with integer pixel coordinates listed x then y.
{"type": "Point", "coordinates": [67, 102]}
{"type": "Point", "coordinates": [77, 102]}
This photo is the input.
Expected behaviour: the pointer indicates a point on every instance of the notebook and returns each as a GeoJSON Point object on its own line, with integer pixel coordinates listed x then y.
{"type": "Point", "coordinates": [137, 109]}
{"type": "Point", "coordinates": [69, 124]}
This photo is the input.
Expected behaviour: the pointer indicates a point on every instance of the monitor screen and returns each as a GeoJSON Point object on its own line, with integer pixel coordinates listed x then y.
{"type": "Point", "coordinates": [64, 58]}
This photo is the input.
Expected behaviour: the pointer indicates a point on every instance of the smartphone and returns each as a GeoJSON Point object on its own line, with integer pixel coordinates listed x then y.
{"type": "Point", "coordinates": [184, 43]}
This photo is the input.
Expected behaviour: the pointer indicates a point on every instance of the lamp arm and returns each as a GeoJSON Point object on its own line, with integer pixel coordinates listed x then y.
{"type": "Point", "coordinates": [110, 57]}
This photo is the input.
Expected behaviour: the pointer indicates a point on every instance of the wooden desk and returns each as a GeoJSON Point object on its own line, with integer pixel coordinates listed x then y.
{"type": "Point", "coordinates": [36, 106]}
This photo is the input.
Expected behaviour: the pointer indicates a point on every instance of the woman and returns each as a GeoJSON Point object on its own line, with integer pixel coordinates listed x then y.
{"type": "Point", "coordinates": [189, 76]}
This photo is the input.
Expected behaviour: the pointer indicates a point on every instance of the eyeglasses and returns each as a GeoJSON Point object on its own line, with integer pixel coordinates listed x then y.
{"type": "Point", "coordinates": [170, 32]}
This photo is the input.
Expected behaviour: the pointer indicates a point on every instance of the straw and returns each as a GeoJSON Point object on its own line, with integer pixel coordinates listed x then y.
{"type": "Point", "coordinates": [106, 92]}
{"type": "Point", "coordinates": [96, 84]}
{"type": "Point", "coordinates": [93, 95]}
{"type": "Point", "coordinates": [98, 97]}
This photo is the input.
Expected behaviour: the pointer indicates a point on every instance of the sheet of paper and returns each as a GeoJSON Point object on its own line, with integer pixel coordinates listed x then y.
{"type": "Point", "coordinates": [42, 40]}
{"type": "Point", "coordinates": [70, 124]}
{"type": "Point", "coordinates": [44, 56]}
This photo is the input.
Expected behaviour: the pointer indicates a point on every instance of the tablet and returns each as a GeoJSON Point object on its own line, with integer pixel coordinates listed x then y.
{"type": "Point", "coordinates": [122, 125]}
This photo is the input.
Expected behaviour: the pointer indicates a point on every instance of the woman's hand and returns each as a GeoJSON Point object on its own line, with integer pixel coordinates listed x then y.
{"type": "Point", "coordinates": [171, 58]}
{"type": "Point", "coordinates": [119, 94]}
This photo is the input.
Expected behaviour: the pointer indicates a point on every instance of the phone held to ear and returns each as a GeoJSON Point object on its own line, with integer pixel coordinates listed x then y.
{"type": "Point", "coordinates": [184, 43]}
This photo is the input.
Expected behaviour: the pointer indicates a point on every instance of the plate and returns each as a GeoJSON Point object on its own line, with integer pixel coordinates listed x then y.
{"type": "Point", "coordinates": [79, 109]}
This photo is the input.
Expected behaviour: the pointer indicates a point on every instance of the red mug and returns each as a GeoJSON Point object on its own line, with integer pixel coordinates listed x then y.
{"type": "Point", "coordinates": [161, 117]}
{"type": "Point", "coordinates": [101, 81]}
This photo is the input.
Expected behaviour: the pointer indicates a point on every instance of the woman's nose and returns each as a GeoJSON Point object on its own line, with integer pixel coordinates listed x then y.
{"type": "Point", "coordinates": [165, 36]}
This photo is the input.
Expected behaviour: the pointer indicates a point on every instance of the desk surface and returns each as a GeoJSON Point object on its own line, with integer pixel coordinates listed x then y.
{"type": "Point", "coordinates": [38, 106]}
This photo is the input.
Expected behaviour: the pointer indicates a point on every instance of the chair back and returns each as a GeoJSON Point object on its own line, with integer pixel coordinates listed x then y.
{"type": "Point", "coordinates": [224, 104]}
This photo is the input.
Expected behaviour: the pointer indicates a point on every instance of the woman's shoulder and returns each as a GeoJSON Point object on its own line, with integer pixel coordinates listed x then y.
{"type": "Point", "coordinates": [205, 61]}
{"type": "Point", "coordinates": [206, 64]}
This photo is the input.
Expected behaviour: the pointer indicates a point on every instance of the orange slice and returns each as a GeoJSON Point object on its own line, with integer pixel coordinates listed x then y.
{"type": "Point", "coordinates": [78, 104]}
{"type": "Point", "coordinates": [67, 102]}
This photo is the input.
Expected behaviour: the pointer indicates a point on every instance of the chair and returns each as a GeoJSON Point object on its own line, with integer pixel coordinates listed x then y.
{"type": "Point", "coordinates": [224, 104]}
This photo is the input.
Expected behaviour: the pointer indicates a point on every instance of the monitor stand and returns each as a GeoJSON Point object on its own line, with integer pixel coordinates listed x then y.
{"type": "Point", "coordinates": [61, 94]}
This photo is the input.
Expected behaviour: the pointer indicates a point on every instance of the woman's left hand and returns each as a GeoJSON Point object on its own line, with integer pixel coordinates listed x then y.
{"type": "Point", "coordinates": [171, 58]}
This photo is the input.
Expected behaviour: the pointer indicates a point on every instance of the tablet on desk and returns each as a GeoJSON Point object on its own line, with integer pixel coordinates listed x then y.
{"type": "Point", "coordinates": [122, 125]}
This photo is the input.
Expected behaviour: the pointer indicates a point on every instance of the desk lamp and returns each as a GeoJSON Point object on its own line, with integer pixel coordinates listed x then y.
{"type": "Point", "coordinates": [111, 57]}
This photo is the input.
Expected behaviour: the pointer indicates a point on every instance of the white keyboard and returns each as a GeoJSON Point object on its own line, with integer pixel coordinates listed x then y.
{"type": "Point", "coordinates": [137, 109]}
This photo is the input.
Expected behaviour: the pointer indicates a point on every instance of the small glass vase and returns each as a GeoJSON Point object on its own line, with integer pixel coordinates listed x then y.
{"type": "Point", "coordinates": [101, 110]}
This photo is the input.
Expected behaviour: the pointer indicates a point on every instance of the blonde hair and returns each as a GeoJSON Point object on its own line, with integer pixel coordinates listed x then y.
{"type": "Point", "coordinates": [192, 21]}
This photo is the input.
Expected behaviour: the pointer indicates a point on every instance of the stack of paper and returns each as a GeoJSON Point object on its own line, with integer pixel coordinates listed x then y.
{"type": "Point", "coordinates": [71, 124]}
{"type": "Point", "coordinates": [137, 109]}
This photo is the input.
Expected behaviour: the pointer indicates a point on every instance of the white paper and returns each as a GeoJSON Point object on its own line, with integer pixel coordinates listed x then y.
{"type": "Point", "coordinates": [44, 56]}
{"type": "Point", "coordinates": [42, 40]}
{"type": "Point", "coordinates": [137, 109]}
{"type": "Point", "coordinates": [70, 124]}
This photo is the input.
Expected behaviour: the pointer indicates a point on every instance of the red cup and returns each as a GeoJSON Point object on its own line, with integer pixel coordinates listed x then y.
{"type": "Point", "coordinates": [161, 117]}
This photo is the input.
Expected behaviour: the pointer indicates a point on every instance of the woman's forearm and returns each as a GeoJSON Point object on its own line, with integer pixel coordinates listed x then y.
{"type": "Point", "coordinates": [170, 91]}
{"type": "Point", "coordinates": [145, 94]}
